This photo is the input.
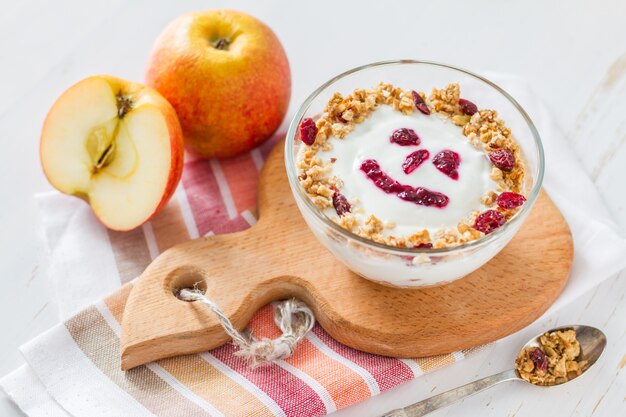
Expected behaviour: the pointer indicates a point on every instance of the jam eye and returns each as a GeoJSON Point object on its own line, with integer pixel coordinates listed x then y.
{"type": "Point", "coordinates": [414, 160]}
{"type": "Point", "coordinates": [405, 137]}
{"type": "Point", "coordinates": [448, 162]}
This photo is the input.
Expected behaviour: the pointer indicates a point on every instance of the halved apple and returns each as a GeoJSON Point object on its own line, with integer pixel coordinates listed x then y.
{"type": "Point", "coordinates": [116, 144]}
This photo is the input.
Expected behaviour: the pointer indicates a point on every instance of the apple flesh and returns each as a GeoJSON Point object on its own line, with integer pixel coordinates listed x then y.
{"type": "Point", "coordinates": [116, 144]}
{"type": "Point", "coordinates": [227, 75]}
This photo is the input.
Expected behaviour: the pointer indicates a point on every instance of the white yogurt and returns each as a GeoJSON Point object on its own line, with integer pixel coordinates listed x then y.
{"type": "Point", "coordinates": [370, 140]}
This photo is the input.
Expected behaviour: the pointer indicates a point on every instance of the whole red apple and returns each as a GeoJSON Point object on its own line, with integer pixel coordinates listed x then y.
{"type": "Point", "coordinates": [116, 144]}
{"type": "Point", "coordinates": [227, 76]}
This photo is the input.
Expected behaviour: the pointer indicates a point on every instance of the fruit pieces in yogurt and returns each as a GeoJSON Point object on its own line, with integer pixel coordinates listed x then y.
{"type": "Point", "coordinates": [407, 170]}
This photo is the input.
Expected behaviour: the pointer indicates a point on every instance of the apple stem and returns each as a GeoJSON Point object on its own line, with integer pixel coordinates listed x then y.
{"type": "Point", "coordinates": [124, 105]}
{"type": "Point", "coordinates": [221, 44]}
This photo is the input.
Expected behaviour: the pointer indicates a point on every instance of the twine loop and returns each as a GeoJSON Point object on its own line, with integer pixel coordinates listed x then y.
{"type": "Point", "coordinates": [294, 318]}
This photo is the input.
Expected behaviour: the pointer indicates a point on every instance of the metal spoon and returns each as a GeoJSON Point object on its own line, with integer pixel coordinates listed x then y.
{"type": "Point", "coordinates": [592, 343]}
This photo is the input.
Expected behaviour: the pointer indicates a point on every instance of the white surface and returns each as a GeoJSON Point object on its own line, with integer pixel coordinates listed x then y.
{"type": "Point", "coordinates": [46, 46]}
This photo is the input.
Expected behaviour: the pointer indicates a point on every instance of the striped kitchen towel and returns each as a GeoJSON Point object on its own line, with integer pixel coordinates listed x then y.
{"type": "Point", "coordinates": [74, 368]}
{"type": "Point", "coordinates": [79, 361]}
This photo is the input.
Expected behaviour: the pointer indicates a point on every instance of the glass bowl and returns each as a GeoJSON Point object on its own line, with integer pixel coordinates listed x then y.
{"type": "Point", "coordinates": [410, 267]}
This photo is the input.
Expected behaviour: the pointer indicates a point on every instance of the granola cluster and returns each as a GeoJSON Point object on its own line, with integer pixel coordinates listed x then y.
{"type": "Point", "coordinates": [341, 113]}
{"type": "Point", "coordinates": [446, 100]}
{"type": "Point", "coordinates": [484, 130]}
{"type": "Point", "coordinates": [554, 361]}
{"type": "Point", "coordinates": [373, 228]}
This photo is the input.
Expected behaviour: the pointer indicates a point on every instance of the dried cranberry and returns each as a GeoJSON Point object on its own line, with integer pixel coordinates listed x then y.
{"type": "Point", "coordinates": [508, 200]}
{"type": "Point", "coordinates": [414, 160]}
{"type": "Point", "coordinates": [419, 103]}
{"type": "Point", "coordinates": [424, 197]}
{"type": "Point", "coordinates": [308, 131]}
{"type": "Point", "coordinates": [381, 179]}
{"type": "Point", "coordinates": [448, 162]}
{"type": "Point", "coordinates": [503, 159]}
{"type": "Point", "coordinates": [424, 246]}
{"type": "Point", "coordinates": [539, 358]}
{"type": "Point", "coordinates": [468, 107]}
{"type": "Point", "coordinates": [489, 221]}
{"type": "Point", "coordinates": [341, 119]}
{"type": "Point", "coordinates": [417, 195]}
{"type": "Point", "coordinates": [340, 202]}
{"type": "Point", "coordinates": [405, 137]}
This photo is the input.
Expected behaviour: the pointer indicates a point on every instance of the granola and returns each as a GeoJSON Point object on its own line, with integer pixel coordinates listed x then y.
{"type": "Point", "coordinates": [483, 129]}
{"type": "Point", "coordinates": [556, 360]}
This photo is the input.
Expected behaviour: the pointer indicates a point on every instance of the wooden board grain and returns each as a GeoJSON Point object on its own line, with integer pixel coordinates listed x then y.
{"type": "Point", "coordinates": [280, 258]}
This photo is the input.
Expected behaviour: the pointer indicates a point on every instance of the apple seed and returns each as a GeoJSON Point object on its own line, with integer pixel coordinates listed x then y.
{"type": "Point", "coordinates": [104, 158]}
{"type": "Point", "coordinates": [101, 147]}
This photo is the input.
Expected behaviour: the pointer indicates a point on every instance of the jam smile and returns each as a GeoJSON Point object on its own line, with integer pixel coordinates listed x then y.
{"type": "Point", "coordinates": [418, 195]}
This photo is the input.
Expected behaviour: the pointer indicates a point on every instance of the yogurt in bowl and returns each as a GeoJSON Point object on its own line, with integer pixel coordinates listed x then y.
{"type": "Point", "coordinates": [408, 188]}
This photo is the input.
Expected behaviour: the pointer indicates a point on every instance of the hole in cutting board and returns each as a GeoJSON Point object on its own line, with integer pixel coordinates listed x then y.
{"type": "Point", "coordinates": [187, 277]}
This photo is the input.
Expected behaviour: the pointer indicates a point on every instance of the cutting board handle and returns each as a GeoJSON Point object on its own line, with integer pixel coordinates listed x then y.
{"type": "Point", "coordinates": [157, 322]}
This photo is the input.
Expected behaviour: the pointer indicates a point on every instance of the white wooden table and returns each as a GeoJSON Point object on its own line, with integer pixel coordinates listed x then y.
{"type": "Point", "coordinates": [565, 49]}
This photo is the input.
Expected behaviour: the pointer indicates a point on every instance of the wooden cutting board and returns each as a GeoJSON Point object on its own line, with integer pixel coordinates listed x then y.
{"type": "Point", "coordinates": [279, 258]}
